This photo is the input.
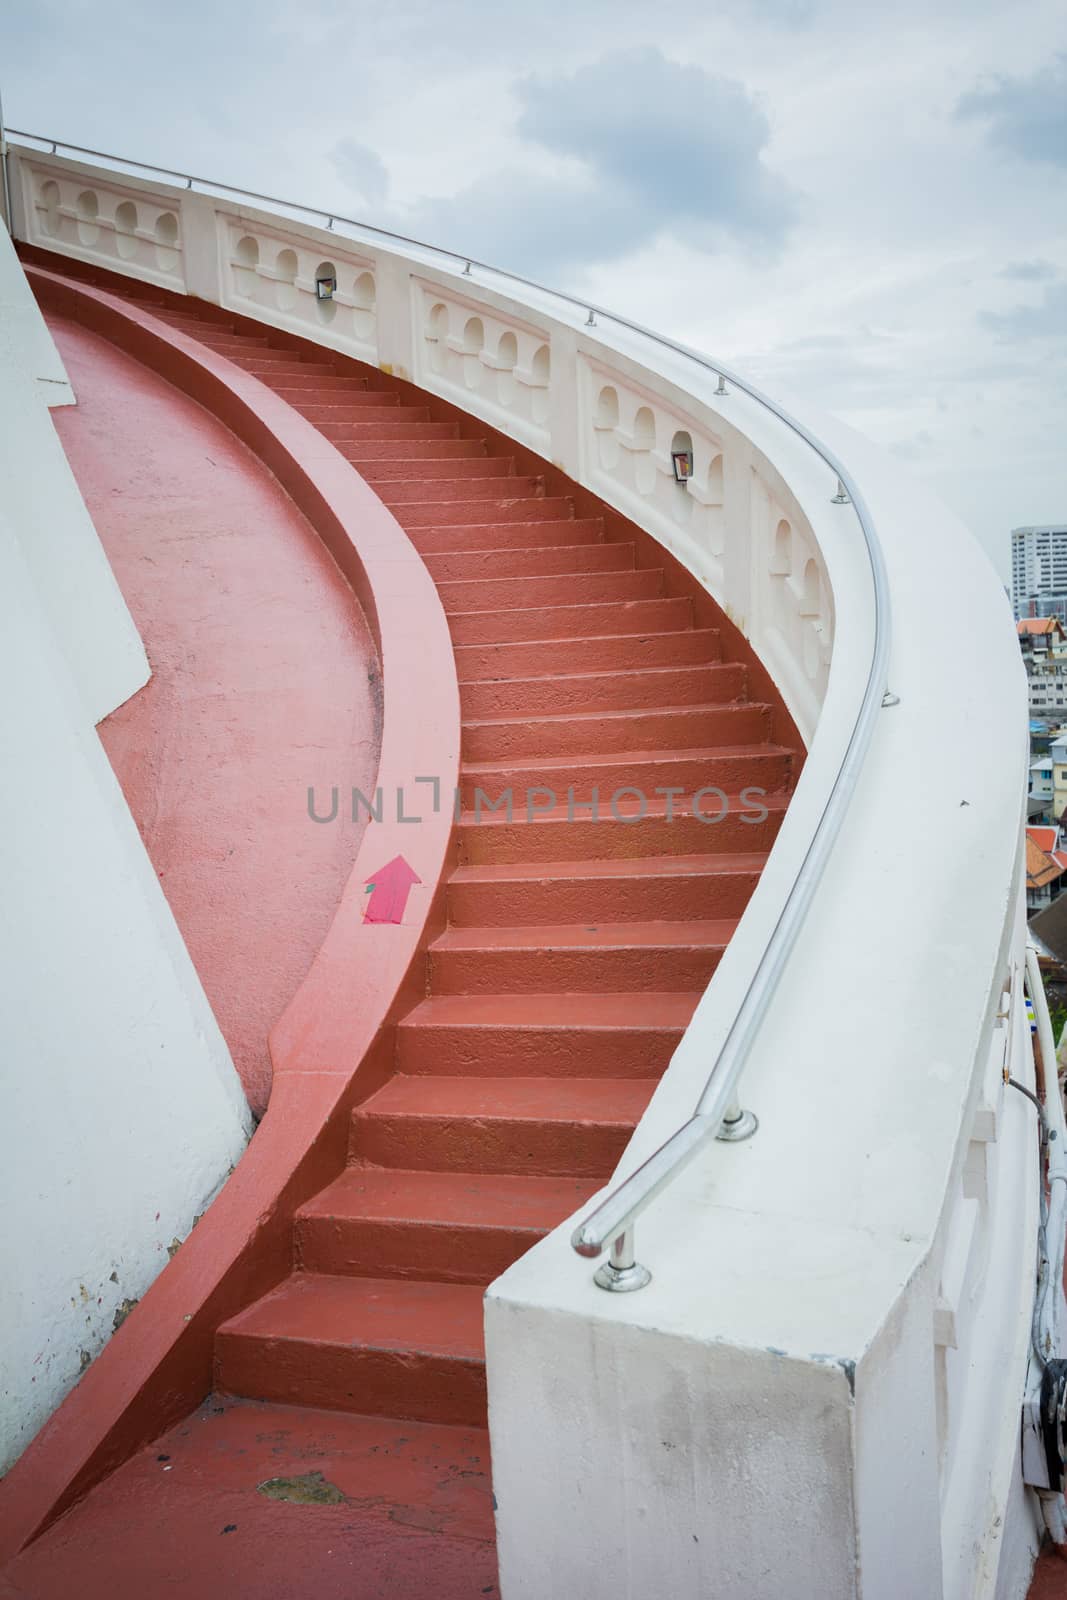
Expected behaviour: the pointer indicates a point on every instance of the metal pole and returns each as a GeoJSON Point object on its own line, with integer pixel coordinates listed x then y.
{"type": "Point", "coordinates": [3, 168]}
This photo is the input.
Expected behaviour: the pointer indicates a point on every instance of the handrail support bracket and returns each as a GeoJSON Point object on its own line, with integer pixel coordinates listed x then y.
{"type": "Point", "coordinates": [737, 1125]}
{"type": "Point", "coordinates": [621, 1274]}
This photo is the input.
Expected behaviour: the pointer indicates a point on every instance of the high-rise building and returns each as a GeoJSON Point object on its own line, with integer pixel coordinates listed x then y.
{"type": "Point", "coordinates": [1039, 570]}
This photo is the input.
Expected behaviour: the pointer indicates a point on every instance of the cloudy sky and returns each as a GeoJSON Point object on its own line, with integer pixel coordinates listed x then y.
{"type": "Point", "coordinates": [866, 206]}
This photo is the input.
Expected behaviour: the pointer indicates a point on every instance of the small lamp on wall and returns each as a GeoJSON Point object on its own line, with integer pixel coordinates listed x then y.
{"type": "Point", "coordinates": [325, 286]}
{"type": "Point", "coordinates": [682, 461]}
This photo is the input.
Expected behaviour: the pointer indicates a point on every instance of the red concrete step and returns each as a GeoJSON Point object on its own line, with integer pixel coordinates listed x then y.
{"type": "Point", "coordinates": [455, 1227]}
{"type": "Point", "coordinates": [517, 893]}
{"type": "Point", "coordinates": [511, 536]}
{"type": "Point", "coordinates": [344, 424]}
{"type": "Point", "coordinates": [495, 594]}
{"type": "Point", "coordinates": [578, 957]}
{"type": "Point", "coordinates": [391, 453]}
{"type": "Point", "coordinates": [706, 683]}
{"type": "Point", "coordinates": [471, 467]}
{"type": "Point", "coordinates": [372, 415]}
{"type": "Point", "coordinates": [504, 739]}
{"type": "Point", "coordinates": [572, 834]}
{"type": "Point", "coordinates": [270, 366]}
{"type": "Point", "coordinates": [230, 344]}
{"type": "Point", "coordinates": [477, 662]}
{"type": "Point", "coordinates": [436, 491]}
{"type": "Point", "coordinates": [517, 562]}
{"type": "Point", "coordinates": [207, 330]}
{"type": "Point", "coordinates": [373, 412]}
{"type": "Point", "coordinates": [383, 1347]}
{"type": "Point", "coordinates": [568, 621]}
{"type": "Point", "coordinates": [505, 507]}
{"type": "Point", "coordinates": [729, 767]}
{"type": "Point", "coordinates": [554, 1036]}
{"type": "Point", "coordinates": [311, 385]}
{"type": "Point", "coordinates": [399, 428]}
{"type": "Point", "coordinates": [554, 1127]}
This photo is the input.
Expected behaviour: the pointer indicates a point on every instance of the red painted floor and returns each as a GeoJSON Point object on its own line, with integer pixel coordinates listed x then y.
{"type": "Point", "coordinates": [264, 679]}
{"type": "Point", "coordinates": [1050, 1576]}
{"type": "Point", "coordinates": [245, 1499]}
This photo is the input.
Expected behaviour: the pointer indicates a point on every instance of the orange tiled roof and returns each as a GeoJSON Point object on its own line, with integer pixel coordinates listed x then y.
{"type": "Point", "coordinates": [1040, 868]}
{"type": "Point", "coordinates": [1044, 838]}
{"type": "Point", "coordinates": [1038, 625]}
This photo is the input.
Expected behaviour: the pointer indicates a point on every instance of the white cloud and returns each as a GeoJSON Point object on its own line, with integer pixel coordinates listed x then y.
{"type": "Point", "coordinates": [785, 183]}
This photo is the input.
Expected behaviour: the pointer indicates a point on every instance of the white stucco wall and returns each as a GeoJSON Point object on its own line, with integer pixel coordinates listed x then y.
{"type": "Point", "coordinates": [71, 575]}
{"type": "Point", "coordinates": [120, 1110]}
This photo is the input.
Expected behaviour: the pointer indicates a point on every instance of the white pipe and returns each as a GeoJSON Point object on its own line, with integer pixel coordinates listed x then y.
{"type": "Point", "coordinates": [1048, 1318]}
{"type": "Point", "coordinates": [1050, 1332]}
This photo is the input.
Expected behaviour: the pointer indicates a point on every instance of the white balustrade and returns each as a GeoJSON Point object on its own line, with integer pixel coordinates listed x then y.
{"type": "Point", "coordinates": [106, 222]}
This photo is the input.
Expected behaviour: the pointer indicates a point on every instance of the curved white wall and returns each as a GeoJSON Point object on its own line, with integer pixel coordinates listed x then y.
{"type": "Point", "coordinates": [833, 1346]}
{"type": "Point", "coordinates": [122, 1112]}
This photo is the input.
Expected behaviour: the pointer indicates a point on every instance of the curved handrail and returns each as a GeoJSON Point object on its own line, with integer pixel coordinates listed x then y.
{"type": "Point", "coordinates": [611, 1221]}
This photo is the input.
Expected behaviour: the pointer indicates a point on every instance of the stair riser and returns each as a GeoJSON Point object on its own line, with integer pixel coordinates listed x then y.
{"type": "Point", "coordinates": [487, 1052]}
{"type": "Point", "coordinates": [342, 427]}
{"type": "Point", "coordinates": [399, 429]}
{"type": "Point", "coordinates": [407, 1384]}
{"type": "Point", "coordinates": [475, 663]}
{"type": "Point", "coordinates": [370, 416]}
{"type": "Point", "coordinates": [424, 455]}
{"type": "Point", "coordinates": [541, 739]}
{"type": "Point", "coordinates": [465, 510]}
{"type": "Point", "coordinates": [470, 468]}
{"type": "Point", "coordinates": [470, 566]}
{"type": "Point", "coordinates": [313, 384]}
{"type": "Point", "coordinates": [518, 536]}
{"type": "Point", "coordinates": [730, 772]}
{"type": "Point", "coordinates": [196, 327]}
{"type": "Point", "coordinates": [664, 970]}
{"type": "Point", "coordinates": [569, 589]}
{"type": "Point", "coordinates": [663, 897]}
{"type": "Point", "coordinates": [423, 1248]}
{"type": "Point", "coordinates": [571, 621]}
{"type": "Point", "coordinates": [485, 1144]}
{"type": "Point", "coordinates": [228, 347]}
{"type": "Point", "coordinates": [590, 841]}
{"type": "Point", "coordinates": [267, 368]}
{"type": "Point", "coordinates": [375, 408]}
{"type": "Point", "coordinates": [627, 691]}
{"type": "Point", "coordinates": [435, 491]}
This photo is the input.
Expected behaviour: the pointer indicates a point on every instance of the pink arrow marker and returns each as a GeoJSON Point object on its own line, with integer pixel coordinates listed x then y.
{"type": "Point", "coordinates": [389, 890]}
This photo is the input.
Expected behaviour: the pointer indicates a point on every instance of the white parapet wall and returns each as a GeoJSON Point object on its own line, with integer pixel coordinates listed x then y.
{"type": "Point", "coordinates": [121, 1110]}
{"type": "Point", "coordinates": [819, 1393]}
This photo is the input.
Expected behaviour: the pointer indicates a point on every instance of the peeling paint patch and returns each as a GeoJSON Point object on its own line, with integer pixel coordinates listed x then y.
{"type": "Point", "coordinates": [310, 1489]}
{"type": "Point", "coordinates": [121, 1314]}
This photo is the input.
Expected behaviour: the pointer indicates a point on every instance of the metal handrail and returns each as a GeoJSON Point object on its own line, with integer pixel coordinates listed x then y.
{"type": "Point", "coordinates": [612, 1220]}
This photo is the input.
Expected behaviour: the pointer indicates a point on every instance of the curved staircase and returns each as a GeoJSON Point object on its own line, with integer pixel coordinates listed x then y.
{"type": "Point", "coordinates": [577, 944]}
{"type": "Point", "coordinates": [583, 924]}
